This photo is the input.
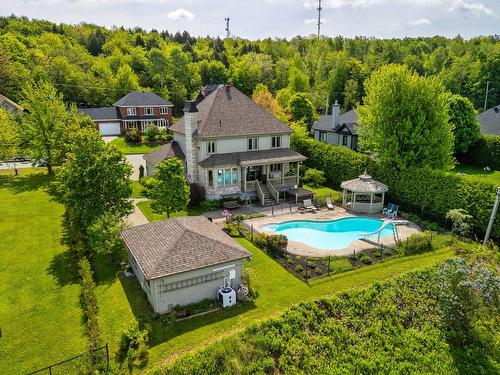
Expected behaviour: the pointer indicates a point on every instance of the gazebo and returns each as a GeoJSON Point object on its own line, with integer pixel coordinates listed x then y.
{"type": "Point", "coordinates": [363, 194]}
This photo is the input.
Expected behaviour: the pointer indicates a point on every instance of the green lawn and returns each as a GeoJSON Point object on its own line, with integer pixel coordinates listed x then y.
{"type": "Point", "coordinates": [145, 208]}
{"type": "Point", "coordinates": [479, 173]}
{"type": "Point", "coordinates": [323, 191]}
{"type": "Point", "coordinates": [39, 292]}
{"type": "Point", "coordinates": [130, 148]}
{"type": "Point", "coordinates": [40, 314]}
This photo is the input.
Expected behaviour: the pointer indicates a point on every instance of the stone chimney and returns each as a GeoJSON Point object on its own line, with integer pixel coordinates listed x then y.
{"type": "Point", "coordinates": [335, 114]}
{"type": "Point", "coordinates": [190, 125]}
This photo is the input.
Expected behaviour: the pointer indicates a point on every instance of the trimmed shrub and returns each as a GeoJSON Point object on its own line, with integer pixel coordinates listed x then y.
{"type": "Point", "coordinates": [152, 132]}
{"type": "Point", "coordinates": [134, 346]}
{"type": "Point", "coordinates": [387, 252]}
{"type": "Point", "coordinates": [485, 152]}
{"type": "Point", "coordinates": [314, 177]}
{"type": "Point", "coordinates": [299, 268]}
{"type": "Point", "coordinates": [211, 205]}
{"type": "Point", "coordinates": [365, 259]}
{"type": "Point", "coordinates": [415, 244]}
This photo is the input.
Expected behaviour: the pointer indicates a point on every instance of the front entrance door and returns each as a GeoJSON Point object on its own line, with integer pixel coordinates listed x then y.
{"type": "Point", "coordinates": [254, 173]}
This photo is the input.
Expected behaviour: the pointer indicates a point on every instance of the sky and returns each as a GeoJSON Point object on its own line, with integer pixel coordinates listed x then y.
{"type": "Point", "coordinates": [275, 18]}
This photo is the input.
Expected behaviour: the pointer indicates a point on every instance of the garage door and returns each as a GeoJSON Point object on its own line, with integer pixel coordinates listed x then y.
{"type": "Point", "coordinates": [110, 128]}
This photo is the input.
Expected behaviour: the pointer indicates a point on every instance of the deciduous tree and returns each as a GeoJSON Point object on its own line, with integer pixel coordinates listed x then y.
{"type": "Point", "coordinates": [169, 190]}
{"type": "Point", "coordinates": [466, 130]}
{"type": "Point", "coordinates": [301, 108]}
{"type": "Point", "coordinates": [405, 120]}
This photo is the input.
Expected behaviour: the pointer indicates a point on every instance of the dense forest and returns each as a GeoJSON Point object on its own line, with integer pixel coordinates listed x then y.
{"type": "Point", "coordinates": [92, 65]}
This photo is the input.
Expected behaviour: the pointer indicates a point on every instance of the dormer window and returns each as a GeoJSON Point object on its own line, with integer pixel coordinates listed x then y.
{"type": "Point", "coordinates": [131, 111]}
{"type": "Point", "coordinates": [148, 111]}
{"type": "Point", "coordinates": [163, 110]}
{"type": "Point", "coordinates": [276, 142]}
{"type": "Point", "coordinates": [211, 147]}
{"type": "Point", "coordinates": [253, 144]}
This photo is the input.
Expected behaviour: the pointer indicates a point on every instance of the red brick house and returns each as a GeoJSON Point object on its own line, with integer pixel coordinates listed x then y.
{"type": "Point", "coordinates": [134, 110]}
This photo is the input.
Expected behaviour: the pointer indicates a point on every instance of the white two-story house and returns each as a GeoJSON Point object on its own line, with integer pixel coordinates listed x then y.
{"type": "Point", "coordinates": [234, 147]}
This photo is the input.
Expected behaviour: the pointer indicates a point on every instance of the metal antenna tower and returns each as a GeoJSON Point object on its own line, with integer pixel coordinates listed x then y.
{"type": "Point", "coordinates": [228, 32]}
{"type": "Point", "coordinates": [319, 17]}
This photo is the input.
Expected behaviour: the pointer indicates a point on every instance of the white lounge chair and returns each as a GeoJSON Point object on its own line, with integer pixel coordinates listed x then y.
{"type": "Point", "coordinates": [309, 205]}
{"type": "Point", "coordinates": [329, 203]}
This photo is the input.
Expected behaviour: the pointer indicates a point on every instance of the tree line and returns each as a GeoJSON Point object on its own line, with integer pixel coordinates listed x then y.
{"type": "Point", "coordinates": [94, 66]}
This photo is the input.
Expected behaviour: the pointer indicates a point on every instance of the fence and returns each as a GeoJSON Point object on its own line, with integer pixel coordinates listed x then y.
{"type": "Point", "coordinates": [84, 363]}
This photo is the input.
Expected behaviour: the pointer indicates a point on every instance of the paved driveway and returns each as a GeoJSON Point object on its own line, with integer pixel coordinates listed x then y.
{"type": "Point", "coordinates": [136, 217]}
{"type": "Point", "coordinates": [109, 138]}
{"type": "Point", "coordinates": [136, 161]}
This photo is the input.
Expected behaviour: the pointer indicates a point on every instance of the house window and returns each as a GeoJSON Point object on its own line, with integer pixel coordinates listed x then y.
{"type": "Point", "coordinates": [163, 123]}
{"type": "Point", "coordinates": [276, 142]}
{"type": "Point", "coordinates": [254, 173]}
{"type": "Point", "coordinates": [275, 167]}
{"type": "Point", "coordinates": [234, 176]}
{"type": "Point", "coordinates": [163, 110]}
{"type": "Point", "coordinates": [148, 111]}
{"type": "Point", "coordinates": [344, 140]}
{"type": "Point", "coordinates": [131, 125]}
{"type": "Point", "coordinates": [211, 178]}
{"type": "Point", "coordinates": [227, 177]}
{"type": "Point", "coordinates": [253, 144]}
{"type": "Point", "coordinates": [131, 111]}
{"type": "Point", "coordinates": [322, 136]}
{"type": "Point", "coordinates": [219, 177]}
{"type": "Point", "coordinates": [211, 147]}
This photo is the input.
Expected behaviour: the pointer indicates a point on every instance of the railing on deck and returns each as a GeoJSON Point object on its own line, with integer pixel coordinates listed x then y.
{"type": "Point", "coordinates": [284, 181]}
{"type": "Point", "coordinates": [260, 193]}
{"type": "Point", "coordinates": [275, 193]}
{"type": "Point", "coordinates": [250, 186]}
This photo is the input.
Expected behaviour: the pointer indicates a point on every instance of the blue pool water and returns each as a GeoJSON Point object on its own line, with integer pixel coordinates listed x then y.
{"type": "Point", "coordinates": [329, 235]}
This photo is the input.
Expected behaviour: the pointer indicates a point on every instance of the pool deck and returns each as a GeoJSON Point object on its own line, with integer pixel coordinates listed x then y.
{"type": "Point", "coordinates": [299, 248]}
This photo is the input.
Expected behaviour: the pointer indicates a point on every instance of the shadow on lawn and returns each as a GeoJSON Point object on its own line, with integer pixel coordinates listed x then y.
{"type": "Point", "coordinates": [161, 331]}
{"type": "Point", "coordinates": [64, 268]}
{"type": "Point", "coordinates": [27, 183]}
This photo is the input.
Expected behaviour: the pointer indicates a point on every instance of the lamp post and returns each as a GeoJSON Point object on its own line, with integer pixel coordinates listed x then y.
{"type": "Point", "coordinates": [492, 218]}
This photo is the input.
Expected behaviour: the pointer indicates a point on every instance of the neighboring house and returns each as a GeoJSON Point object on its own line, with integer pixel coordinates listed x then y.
{"type": "Point", "coordinates": [489, 121]}
{"type": "Point", "coordinates": [234, 147]}
{"type": "Point", "coordinates": [134, 110]}
{"type": "Point", "coordinates": [183, 260]}
{"type": "Point", "coordinates": [337, 129]}
{"type": "Point", "coordinates": [9, 105]}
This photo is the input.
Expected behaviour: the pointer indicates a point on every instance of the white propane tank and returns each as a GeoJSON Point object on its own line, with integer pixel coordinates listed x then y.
{"type": "Point", "coordinates": [226, 297]}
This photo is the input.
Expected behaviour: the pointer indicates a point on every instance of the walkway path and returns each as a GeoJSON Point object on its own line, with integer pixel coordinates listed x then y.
{"type": "Point", "coordinates": [136, 217]}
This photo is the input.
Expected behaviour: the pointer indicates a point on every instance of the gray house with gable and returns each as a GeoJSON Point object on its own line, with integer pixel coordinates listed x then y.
{"type": "Point", "coordinates": [337, 129]}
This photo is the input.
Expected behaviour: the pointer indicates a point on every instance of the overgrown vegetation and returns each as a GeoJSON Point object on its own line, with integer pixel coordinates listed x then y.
{"type": "Point", "coordinates": [484, 153]}
{"type": "Point", "coordinates": [448, 315]}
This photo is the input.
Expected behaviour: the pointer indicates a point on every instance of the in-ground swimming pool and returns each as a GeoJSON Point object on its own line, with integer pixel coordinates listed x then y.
{"type": "Point", "coordinates": [330, 235]}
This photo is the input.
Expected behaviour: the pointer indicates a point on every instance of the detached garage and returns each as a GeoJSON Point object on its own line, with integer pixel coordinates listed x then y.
{"type": "Point", "coordinates": [107, 119]}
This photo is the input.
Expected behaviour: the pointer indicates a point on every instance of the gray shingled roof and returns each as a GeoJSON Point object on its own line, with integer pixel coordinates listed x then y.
{"type": "Point", "coordinates": [135, 98]}
{"type": "Point", "coordinates": [228, 112]}
{"type": "Point", "coordinates": [102, 113]}
{"type": "Point", "coordinates": [169, 150]}
{"type": "Point", "coordinates": [489, 121]}
{"type": "Point", "coordinates": [180, 244]}
{"type": "Point", "coordinates": [348, 118]}
{"type": "Point", "coordinates": [276, 155]}
{"type": "Point", "coordinates": [364, 184]}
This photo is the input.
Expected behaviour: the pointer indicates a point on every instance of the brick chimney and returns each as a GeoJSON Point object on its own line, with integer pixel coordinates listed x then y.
{"type": "Point", "coordinates": [191, 124]}
{"type": "Point", "coordinates": [335, 114]}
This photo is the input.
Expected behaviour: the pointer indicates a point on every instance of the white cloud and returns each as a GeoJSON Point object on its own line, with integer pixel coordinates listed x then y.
{"type": "Point", "coordinates": [477, 9]}
{"type": "Point", "coordinates": [180, 14]}
{"type": "Point", "coordinates": [335, 4]}
{"type": "Point", "coordinates": [310, 21]}
{"type": "Point", "coordinates": [419, 22]}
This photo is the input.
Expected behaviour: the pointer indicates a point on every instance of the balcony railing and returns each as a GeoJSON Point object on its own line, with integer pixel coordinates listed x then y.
{"type": "Point", "coordinates": [287, 181]}
{"type": "Point", "coordinates": [275, 193]}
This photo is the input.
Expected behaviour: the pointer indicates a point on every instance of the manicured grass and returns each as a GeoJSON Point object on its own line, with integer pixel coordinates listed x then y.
{"type": "Point", "coordinates": [130, 148]}
{"type": "Point", "coordinates": [40, 314]}
{"type": "Point", "coordinates": [145, 208]}
{"type": "Point", "coordinates": [323, 191]}
{"type": "Point", "coordinates": [479, 173]}
{"type": "Point", "coordinates": [39, 292]}
{"type": "Point", "coordinates": [137, 190]}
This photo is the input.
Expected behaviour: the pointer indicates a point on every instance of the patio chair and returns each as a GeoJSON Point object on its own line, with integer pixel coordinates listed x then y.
{"type": "Point", "coordinates": [394, 212]}
{"type": "Point", "coordinates": [309, 205]}
{"type": "Point", "coordinates": [388, 209]}
{"type": "Point", "coordinates": [329, 203]}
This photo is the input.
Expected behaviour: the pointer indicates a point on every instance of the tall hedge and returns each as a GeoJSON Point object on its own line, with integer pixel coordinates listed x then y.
{"type": "Point", "coordinates": [485, 152]}
{"type": "Point", "coordinates": [338, 163]}
{"type": "Point", "coordinates": [416, 189]}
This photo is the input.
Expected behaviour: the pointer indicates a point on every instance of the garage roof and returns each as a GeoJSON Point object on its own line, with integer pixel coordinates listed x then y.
{"type": "Point", "coordinates": [180, 244]}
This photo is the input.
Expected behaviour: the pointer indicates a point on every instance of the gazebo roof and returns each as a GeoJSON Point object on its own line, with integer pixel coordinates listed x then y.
{"type": "Point", "coordinates": [364, 184]}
